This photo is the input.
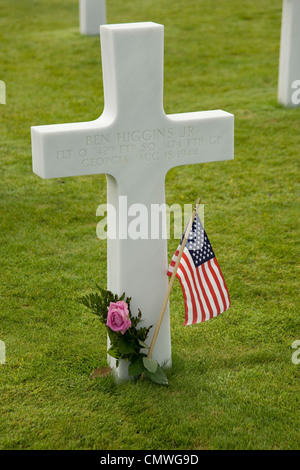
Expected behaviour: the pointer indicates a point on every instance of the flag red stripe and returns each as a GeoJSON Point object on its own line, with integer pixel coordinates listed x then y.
{"type": "Point", "coordinates": [217, 283]}
{"type": "Point", "coordinates": [204, 291]}
{"type": "Point", "coordinates": [196, 317]}
{"type": "Point", "coordinates": [172, 263]}
{"type": "Point", "coordinates": [191, 288]}
{"type": "Point", "coordinates": [184, 296]}
{"type": "Point", "coordinates": [204, 299]}
{"type": "Point", "coordinates": [220, 272]}
{"type": "Point", "coordinates": [191, 293]}
{"type": "Point", "coordinates": [200, 291]}
{"type": "Point", "coordinates": [219, 303]}
{"type": "Point", "coordinates": [188, 299]}
{"type": "Point", "coordinates": [212, 290]}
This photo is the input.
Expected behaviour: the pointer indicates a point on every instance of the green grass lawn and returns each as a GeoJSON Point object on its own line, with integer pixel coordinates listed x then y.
{"type": "Point", "coordinates": [233, 384]}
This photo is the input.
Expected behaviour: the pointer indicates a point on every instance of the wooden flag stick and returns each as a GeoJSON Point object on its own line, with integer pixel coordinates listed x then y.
{"type": "Point", "coordinates": [186, 236]}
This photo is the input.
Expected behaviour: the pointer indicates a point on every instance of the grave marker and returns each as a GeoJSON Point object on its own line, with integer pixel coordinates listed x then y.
{"type": "Point", "coordinates": [92, 13]}
{"type": "Point", "coordinates": [134, 143]}
{"type": "Point", "coordinates": [2, 92]}
{"type": "Point", "coordinates": [289, 62]}
{"type": "Point", "coordinates": [2, 352]}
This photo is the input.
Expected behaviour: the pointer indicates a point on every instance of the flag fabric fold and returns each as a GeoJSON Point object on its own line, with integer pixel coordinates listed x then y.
{"type": "Point", "coordinates": [202, 282]}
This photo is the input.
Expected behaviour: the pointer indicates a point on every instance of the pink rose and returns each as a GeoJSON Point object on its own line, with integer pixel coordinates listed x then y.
{"type": "Point", "coordinates": [118, 317]}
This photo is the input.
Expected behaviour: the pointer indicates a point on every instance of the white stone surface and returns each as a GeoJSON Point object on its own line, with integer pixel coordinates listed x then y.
{"type": "Point", "coordinates": [289, 62]}
{"type": "Point", "coordinates": [92, 14]}
{"type": "Point", "coordinates": [2, 352]}
{"type": "Point", "coordinates": [2, 92]}
{"type": "Point", "coordinates": [135, 144]}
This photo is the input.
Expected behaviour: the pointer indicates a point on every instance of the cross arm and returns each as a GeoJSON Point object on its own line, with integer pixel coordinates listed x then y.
{"type": "Point", "coordinates": [199, 137]}
{"type": "Point", "coordinates": [62, 150]}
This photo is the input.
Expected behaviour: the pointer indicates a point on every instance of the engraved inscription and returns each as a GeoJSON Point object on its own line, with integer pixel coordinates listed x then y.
{"type": "Point", "coordinates": [145, 135]}
{"type": "Point", "coordinates": [189, 147]}
{"type": "Point", "coordinates": [187, 131]}
{"type": "Point", "coordinates": [127, 148]}
{"type": "Point", "coordinates": [140, 146]}
{"type": "Point", "coordinates": [64, 154]}
{"type": "Point", "coordinates": [97, 139]}
{"type": "Point", "coordinates": [89, 162]}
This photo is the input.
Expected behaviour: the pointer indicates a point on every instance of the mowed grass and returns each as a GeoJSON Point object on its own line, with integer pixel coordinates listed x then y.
{"type": "Point", "coordinates": [233, 384]}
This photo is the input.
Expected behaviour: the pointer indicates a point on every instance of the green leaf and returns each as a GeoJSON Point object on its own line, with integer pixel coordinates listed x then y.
{"type": "Point", "coordinates": [158, 377]}
{"type": "Point", "coordinates": [144, 345]}
{"type": "Point", "coordinates": [150, 364]}
{"type": "Point", "coordinates": [136, 368]}
{"type": "Point", "coordinates": [113, 353]}
{"type": "Point", "coordinates": [126, 347]}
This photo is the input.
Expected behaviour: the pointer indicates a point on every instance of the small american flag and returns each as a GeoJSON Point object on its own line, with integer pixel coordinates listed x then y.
{"type": "Point", "coordinates": [203, 285]}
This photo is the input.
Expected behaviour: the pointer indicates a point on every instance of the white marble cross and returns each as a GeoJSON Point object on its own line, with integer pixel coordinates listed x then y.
{"type": "Point", "coordinates": [2, 352]}
{"type": "Point", "coordinates": [2, 92]}
{"type": "Point", "coordinates": [289, 62]}
{"type": "Point", "coordinates": [135, 144]}
{"type": "Point", "coordinates": [92, 13]}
